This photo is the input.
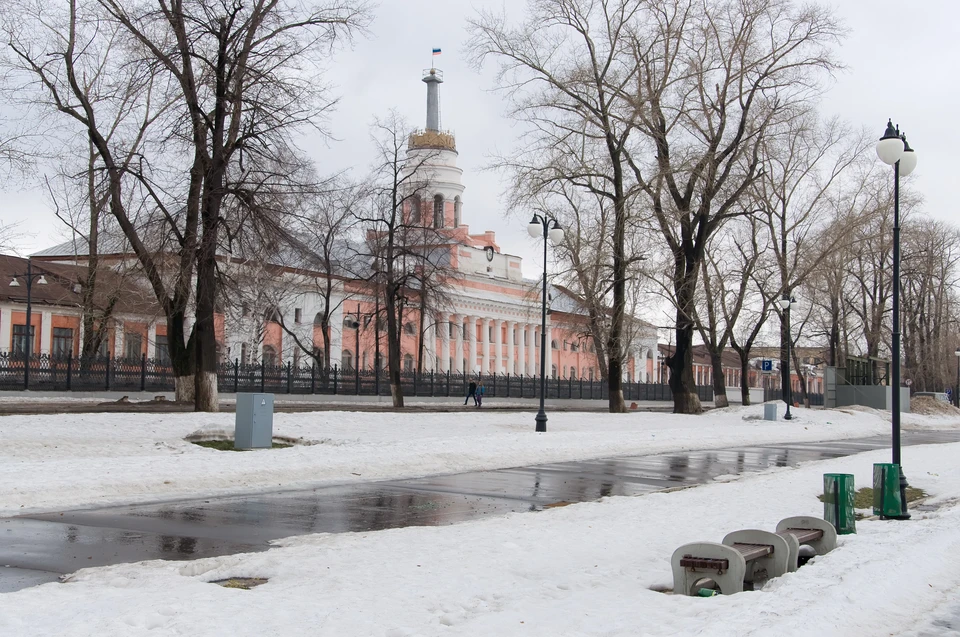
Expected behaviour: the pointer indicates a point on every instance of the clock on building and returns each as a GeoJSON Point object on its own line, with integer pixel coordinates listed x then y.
{"type": "Point", "coordinates": [489, 251]}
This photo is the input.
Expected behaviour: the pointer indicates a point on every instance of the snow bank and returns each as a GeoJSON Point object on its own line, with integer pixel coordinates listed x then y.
{"type": "Point", "coordinates": [52, 462]}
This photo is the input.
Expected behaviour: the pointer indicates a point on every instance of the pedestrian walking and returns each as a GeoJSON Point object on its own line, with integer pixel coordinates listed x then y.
{"type": "Point", "coordinates": [481, 390]}
{"type": "Point", "coordinates": [472, 391]}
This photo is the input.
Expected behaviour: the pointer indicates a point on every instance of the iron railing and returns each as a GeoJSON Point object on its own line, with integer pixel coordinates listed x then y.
{"type": "Point", "coordinates": [124, 374]}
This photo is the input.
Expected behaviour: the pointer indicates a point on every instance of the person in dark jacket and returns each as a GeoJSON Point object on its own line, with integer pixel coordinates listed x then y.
{"type": "Point", "coordinates": [472, 391]}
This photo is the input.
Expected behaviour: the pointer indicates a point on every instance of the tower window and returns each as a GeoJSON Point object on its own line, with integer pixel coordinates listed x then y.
{"type": "Point", "coordinates": [415, 210]}
{"type": "Point", "coordinates": [438, 211]}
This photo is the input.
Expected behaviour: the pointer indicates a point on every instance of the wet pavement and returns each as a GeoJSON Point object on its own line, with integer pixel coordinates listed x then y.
{"type": "Point", "coordinates": [39, 548]}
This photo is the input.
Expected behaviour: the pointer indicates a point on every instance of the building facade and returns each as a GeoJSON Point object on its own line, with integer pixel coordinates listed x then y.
{"type": "Point", "coordinates": [489, 321]}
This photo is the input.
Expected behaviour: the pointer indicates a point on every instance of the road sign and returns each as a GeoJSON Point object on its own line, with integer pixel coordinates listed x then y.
{"type": "Point", "coordinates": [766, 365]}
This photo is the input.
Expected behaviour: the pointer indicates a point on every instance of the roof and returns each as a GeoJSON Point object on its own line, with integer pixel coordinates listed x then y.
{"type": "Point", "coordinates": [63, 287]}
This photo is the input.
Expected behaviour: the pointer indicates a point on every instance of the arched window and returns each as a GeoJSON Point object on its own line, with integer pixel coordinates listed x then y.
{"type": "Point", "coordinates": [415, 209]}
{"type": "Point", "coordinates": [407, 363]}
{"type": "Point", "coordinates": [271, 315]}
{"type": "Point", "coordinates": [346, 359]}
{"type": "Point", "coordinates": [554, 344]}
{"type": "Point", "coordinates": [438, 211]}
{"type": "Point", "coordinates": [350, 321]}
{"type": "Point", "coordinates": [364, 359]}
{"type": "Point", "coordinates": [574, 347]}
{"type": "Point", "coordinates": [553, 371]}
{"type": "Point", "coordinates": [590, 373]}
{"type": "Point", "coordinates": [456, 211]}
{"type": "Point", "coordinates": [573, 373]}
{"type": "Point", "coordinates": [409, 328]}
{"type": "Point", "coordinates": [269, 356]}
{"type": "Point", "coordinates": [318, 319]}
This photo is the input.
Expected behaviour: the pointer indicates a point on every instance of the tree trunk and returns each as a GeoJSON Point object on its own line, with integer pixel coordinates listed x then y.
{"type": "Point", "coordinates": [744, 379]}
{"type": "Point", "coordinates": [719, 381]}
{"type": "Point", "coordinates": [393, 349]}
{"type": "Point", "coordinates": [206, 397]}
{"type": "Point", "coordinates": [682, 383]}
{"type": "Point", "coordinates": [181, 359]}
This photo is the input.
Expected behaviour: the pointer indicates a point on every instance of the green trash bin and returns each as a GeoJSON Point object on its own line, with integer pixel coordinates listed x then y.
{"type": "Point", "coordinates": [886, 490]}
{"type": "Point", "coordinates": [838, 502]}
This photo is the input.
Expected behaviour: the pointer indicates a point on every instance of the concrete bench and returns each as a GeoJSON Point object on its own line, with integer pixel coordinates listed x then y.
{"type": "Point", "coordinates": [749, 555]}
{"type": "Point", "coordinates": [802, 530]}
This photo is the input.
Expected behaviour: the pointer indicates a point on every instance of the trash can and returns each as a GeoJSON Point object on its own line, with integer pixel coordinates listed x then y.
{"type": "Point", "coordinates": [886, 490]}
{"type": "Point", "coordinates": [254, 422]}
{"type": "Point", "coordinates": [769, 411]}
{"type": "Point", "coordinates": [838, 502]}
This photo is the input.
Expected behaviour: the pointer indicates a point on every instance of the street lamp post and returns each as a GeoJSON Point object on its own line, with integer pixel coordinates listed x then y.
{"type": "Point", "coordinates": [29, 276]}
{"type": "Point", "coordinates": [956, 391]}
{"type": "Point", "coordinates": [356, 353]}
{"type": "Point", "coordinates": [547, 227]}
{"type": "Point", "coordinates": [785, 304]}
{"type": "Point", "coordinates": [893, 150]}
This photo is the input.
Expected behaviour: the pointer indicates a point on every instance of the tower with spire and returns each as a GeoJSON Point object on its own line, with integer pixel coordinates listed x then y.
{"type": "Point", "coordinates": [433, 153]}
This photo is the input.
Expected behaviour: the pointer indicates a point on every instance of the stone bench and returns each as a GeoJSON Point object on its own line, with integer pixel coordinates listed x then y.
{"type": "Point", "coordinates": [749, 555]}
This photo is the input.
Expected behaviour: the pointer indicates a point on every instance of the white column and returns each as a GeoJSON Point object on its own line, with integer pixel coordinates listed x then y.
{"type": "Point", "coordinates": [444, 327]}
{"type": "Point", "coordinates": [118, 340]}
{"type": "Point", "coordinates": [485, 343]}
{"type": "Point", "coordinates": [549, 353]}
{"type": "Point", "coordinates": [458, 347]}
{"type": "Point", "coordinates": [532, 368]}
{"type": "Point", "coordinates": [471, 333]}
{"type": "Point", "coordinates": [498, 346]}
{"type": "Point", "coordinates": [6, 331]}
{"type": "Point", "coordinates": [152, 340]}
{"type": "Point", "coordinates": [521, 350]}
{"type": "Point", "coordinates": [46, 332]}
{"type": "Point", "coordinates": [510, 346]}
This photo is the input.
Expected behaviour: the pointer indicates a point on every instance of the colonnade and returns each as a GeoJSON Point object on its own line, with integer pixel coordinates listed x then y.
{"type": "Point", "coordinates": [478, 345]}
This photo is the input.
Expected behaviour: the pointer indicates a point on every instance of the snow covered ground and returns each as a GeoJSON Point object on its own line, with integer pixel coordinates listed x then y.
{"type": "Point", "coordinates": [584, 569]}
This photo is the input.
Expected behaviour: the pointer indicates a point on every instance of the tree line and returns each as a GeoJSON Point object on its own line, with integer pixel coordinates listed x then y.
{"type": "Point", "coordinates": [684, 142]}
{"type": "Point", "coordinates": [680, 142]}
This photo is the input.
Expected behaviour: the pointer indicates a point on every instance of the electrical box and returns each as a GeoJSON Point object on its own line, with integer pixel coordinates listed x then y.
{"type": "Point", "coordinates": [770, 411]}
{"type": "Point", "coordinates": [254, 424]}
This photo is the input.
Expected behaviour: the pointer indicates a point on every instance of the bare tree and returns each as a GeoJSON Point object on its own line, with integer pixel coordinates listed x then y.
{"type": "Point", "coordinates": [220, 88]}
{"type": "Point", "coordinates": [713, 79]}
{"type": "Point", "coordinates": [566, 69]}
{"type": "Point", "coordinates": [930, 277]}
{"type": "Point", "coordinates": [406, 254]}
{"type": "Point", "coordinates": [803, 168]}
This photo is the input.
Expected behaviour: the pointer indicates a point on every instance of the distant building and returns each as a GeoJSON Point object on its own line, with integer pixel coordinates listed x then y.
{"type": "Point", "coordinates": [490, 322]}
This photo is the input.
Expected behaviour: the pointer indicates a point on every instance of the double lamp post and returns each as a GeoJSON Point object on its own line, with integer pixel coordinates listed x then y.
{"type": "Point", "coordinates": [29, 276]}
{"type": "Point", "coordinates": [547, 227]}
{"type": "Point", "coordinates": [893, 150]}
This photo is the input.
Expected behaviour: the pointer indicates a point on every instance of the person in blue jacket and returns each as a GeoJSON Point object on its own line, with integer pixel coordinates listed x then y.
{"type": "Point", "coordinates": [481, 390]}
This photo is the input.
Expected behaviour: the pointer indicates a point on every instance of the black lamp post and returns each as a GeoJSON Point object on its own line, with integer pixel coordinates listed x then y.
{"type": "Point", "coordinates": [547, 227]}
{"type": "Point", "coordinates": [785, 304]}
{"type": "Point", "coordinates": [956, 393]}
{"type": "Point", "coordinates": [356, 353]}
{"type": "Point", "coordinates": [893, 150]}
{"type": "Point", "coordinates": [29, 276]}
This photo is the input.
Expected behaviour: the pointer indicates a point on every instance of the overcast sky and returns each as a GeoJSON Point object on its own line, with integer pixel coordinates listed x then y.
{"type": "Point", "coordinates": [902, 64]}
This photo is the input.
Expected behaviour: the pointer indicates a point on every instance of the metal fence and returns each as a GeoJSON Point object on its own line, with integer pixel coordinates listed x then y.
{"type": "Point", "coordinates": [120, 374]}
{"type": "Point", "coordinates": [816, 400]}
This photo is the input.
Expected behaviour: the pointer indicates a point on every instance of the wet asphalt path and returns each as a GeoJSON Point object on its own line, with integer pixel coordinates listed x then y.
{"type": "Point", "coordinates": [35, 549]}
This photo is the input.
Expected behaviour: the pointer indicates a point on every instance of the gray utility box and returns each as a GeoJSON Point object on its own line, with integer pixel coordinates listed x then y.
{"type": "Point", "coordinates": [254, 425]}
{"type": "Point", "coordinates": [769, 411]}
